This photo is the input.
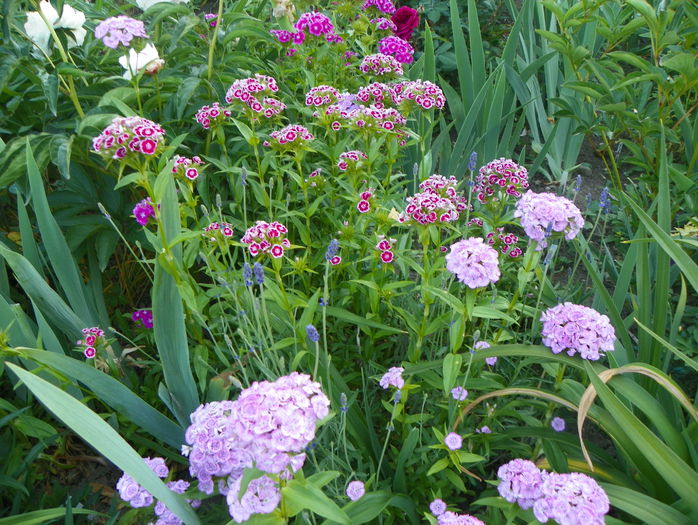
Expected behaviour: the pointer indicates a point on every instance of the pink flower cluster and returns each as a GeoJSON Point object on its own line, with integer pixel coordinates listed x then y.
{"type": "Point", "coordinates": [438, 201]}
{"type": "Point", "coordinates": [501, 176]}
{"type": "Point", "coordinates": [453, 518]}
{"type": "Point", "coordinates": [377, 94]}
{"type": "Point", "coordinates": [251, 93]}
{"type": "Point", "coordinates": [267, 427]}
{"type": "Point", "coordinates": [377, 119]}
{"type": "Point", "coordinates": [126, 135]}
{"type": "Point", "coordinates": [384, 6]}
{"type": "Point", "coordinates": [266, 237]}
{"type": "Point", "coordinates": [143, 211]}
{"type": "Point", "coordinates": [567, 499]}
{"type": "Point", "coordinates": [503, 241]}
{"type": "Point", "coordinates": [393, 377]}
{"type": "Point", "coordinates": [262, 497]}
{"type": "Point", "coordinates": [135, 495]}
{"type": "Point", "coordinates": [145, 317]}
{"type": "Point", "coordinates": [574, 328]}
{"type": "Point", "coordinates": [185, 167]}
{"type": "Point", "coordinates": [425, 94]}
{"type": "Point", "coordinates": [314, 23]}
{"type": "Point", "coordinates": [364, 204]}
{"type": "Point", "coordinates": [165, 515]}
{"type": "Point", "coordinates": [92, 337]}
{"type": "Point", "coordinates": [381, 65]}
{"type": "Point", "coordinates": [292, 137]}
{"type": "Point", "coordinates": [120, 30]}
{"type": "Point", "coordinates": [473, 262]}
{"type": "Point", "coordinates": [285, 37]}
{"type": "Point", "coordinates": [212, 115]}
{"type": "Point", "coordinates": [384, 24]}
{"type": "Point", "coordinates": [401, 49]}
{"type": "Point", "coordinates": [217, 231]}
{"type": "Point", "coordinates": [351, 160]}
{"type": "Point", "coordinates": [385, 246]}
{"type": "Point", "coordinates": [321, 96]}
{"type": "Point", "coordinates": [544, 213]}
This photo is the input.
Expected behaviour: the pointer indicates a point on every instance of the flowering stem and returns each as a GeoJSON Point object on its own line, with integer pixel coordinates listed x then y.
{"type": "Point", "coordinates": [214, 38]}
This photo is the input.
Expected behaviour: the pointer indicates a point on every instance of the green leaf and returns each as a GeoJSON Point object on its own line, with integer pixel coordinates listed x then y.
{"type": "Point", "coordinates": [368, 507]}
{"type": "Point", "coordinates": [643, 507]}
{"type": "Point", "coordinates": [299, 495]}
{"type": "Point", "coordinates": [103, 438]}
{"type": "Point", "coordinates": [451, 369]}
{"type": "Point", "coordinates": [346, 315]}
{"type": "Point", "coordinates": [38, 517]}
{"type": "Point", "coordinates": [438, 466]}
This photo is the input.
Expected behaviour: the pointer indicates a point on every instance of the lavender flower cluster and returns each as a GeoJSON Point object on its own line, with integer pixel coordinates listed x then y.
{"type": "Point", "coordinates": [577, 329]}
{"type": "Point", "coordinates": [544, 213]}
{"type": "Point", "coordinates": [135, 495]}
{"type": "Point", "coordinates": [120, 30]}
{"type": "Point", "coordinates": [267, 427]}
{"type": "Point", "coordinates": [438, 201]}
{"type": "Point", "coordinates": [126, 135]}
{"type": "Point", "coordinates": [446, 517]}
{"type": "Point", "coordinates": [473, 262]}
{"type": "Point", "coordinates": [568, 499]}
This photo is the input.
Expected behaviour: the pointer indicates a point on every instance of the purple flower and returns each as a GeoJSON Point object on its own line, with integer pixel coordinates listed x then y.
{"type": "Point", "coordinates": [558, 424]}
{"type": "Point", "coordinates": [385, 6]}
{"type": "Point", "coordinates": [143, 211]}
{"type": "Point", "coordinates": [135, 495]}
{"type": "Point", "coordinates": [247, 274]}
{"type": "Point", "coordinates": [459, 393]}
{"type": "Point", "coordinates": [452, 518]}
{"type": "Point", "coordinates": [520, 482]}
{"type": "Point", "coordinates": [491, 361]}
{"type": "Point", "coordinates": [437, 507]}
{"type": "Point", "coordinates": [547, 212]}
{"type": "Point", "coordinates": [577, 329]}
{"type": "Point", "coordinates": [483, 430]}
{"type": "Point", "coordinates": [571, 499]}
{"type": "Point", "coordinates": [164, 514]}
{"type": "Point", "coordinates": [481, 345]}
{"type": "Point", "coordinates": [472, 162]}
{"type": "Point", "coordinates": [262, 497]}
{"type": "Point", "coordinates": [312, 333]}
{"type": "Point", "coordinates": [258, 270]}
{"type": "Point", "coordinates": [355, 490]}
{"type": "Point", "coordinates": [145, 317]}
{"type": "Point", "coordinates": [332, 249]}
{"type": "Point", "coordinates": [401, 49]}
{"type": "Point", "coordinates": [453, 441]}
{"type": "Point", "coordinates": [473, 262]}
{"type": "Point", "coordinates": [393, 377]}
{"type": "Point", "coordinates": [120, 30]}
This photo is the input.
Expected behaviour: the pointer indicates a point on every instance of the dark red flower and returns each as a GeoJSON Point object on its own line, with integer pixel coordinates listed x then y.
{"type": "Point", "coordinates": [407, 20]}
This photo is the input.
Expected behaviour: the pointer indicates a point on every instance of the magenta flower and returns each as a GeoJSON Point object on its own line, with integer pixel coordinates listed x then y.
{"type": "Point", "coordinates": [420, 93]}
{"type": "Point", "coordinates": [355, 490]}
{"type": "Point", "coordinates": [393, 377]}
{"type": "Point", "coordinates": [543, 214]}
{"type": "Point", "coordinates": [384, 6]}
{"type": "Point", "coordinates": [401, 49]}
{"type": "Point", "coordinates": [321, 96]}
{"type": "Point", "coordinates": [128, 135]}
{"type": "Point", "coordinates": [437, 202]}
{"type": "Point", "coordinates": [384, 24]}
{"type": "Point", "coordinates": [577, 329]}
{"type": "Point", "coordinates": [558, 424]}
{"type": "Point", "coordinates": [120, 30]}
{"type": "Point", "coordinates": [143, 211]}
{"type": "Point", "coordinates": [407, 20]}
{"type": "Point", "coordinates": [291, 138]}
{"type": "Point", "coordinates": [378, 95]}
{"type": "Point", "coordinates": [381, 65]}
{"type": "Point", "coordinates": [218, 231]}
{"type": "Point", "coordinates": [473, 262]}
{"type": "Point", "coordinates": [314, 23]}
{"type": "Point", "coordinates": [351, 160]}
{"type": "Point", "coordinates": [145, 317]}
{"type": "Point", "coordinates": [187, 168]}
{"type": "Point", "coordinates": [266, 238]}
{"type": "Point", "coordinates": [255, 93]}
{"type": "Point", "coordinates": [211, 116]}
{"type": "Point", "coordinates": [453, 441]}
{"type": "Point", "coordinates": [520, 482]}
{"type": "Point", "coordinates": [571, 499]}
{"type": "Point", "coordinates": [499, 179]}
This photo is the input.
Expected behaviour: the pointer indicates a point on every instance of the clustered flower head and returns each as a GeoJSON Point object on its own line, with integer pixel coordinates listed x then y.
{"type": "Point", "coordinates": [504, 242]}
{"type": "Point", "coordinates": [542, 214]}
{"type": "Point", "coordinates": [473, 262]}
{"type": "Point", "coordinates": [212, 115]}
{"type": "Point", "coordinates": [135, 495]}
{"type": "Point", "coordinates": [401, 49]}
{"type": "Point", "coordinates": [423, 93]}
{"type": "Point", "coordinates": [571, 499]}
{"type": "Point", "coordinates": [314, 23]}
{"type": "Point", "coordinates": [437, 202]}
{"type": "Point", "coordinates": [364, 204]}
{"type": "Point", "coordinates": [143, 211]}
{"type": "Point", "coordinates": [372, 118]}
{"type": "Point", "coordinates": [211, 18]}
{"type": "Point", "coordinates": [320, 96]}
{"type": "Point", "coordinates": [381, 65]}
{"type": "Point", "coordinates": [217, 231]}
{"type": "Point", "coordinates": [291, 138]}
{"type": "Point", "coordinates": [91, 338]}
{"type": "Point", "coordinates": [520, 482]}
{"type": "Point", "coordinates": [377, 94]}
{"type": "Point", "coordinates": [262, 497]}
{"type": "Point", "coordinates": [120, 30]}
{"type": "Point", "coordinates": [385, 247]}
{"type": "Point", "coordinates": [165, 515]}
{"type": "Point", "coordinates": [574, 328]}
{"type": "Point", "coordinates": [187, 167]}
{"type": "Point", "coordinates": [393, 377]}
{"type": "Point", "coordinates": [286, 37]}
{"type": "Point", "coordinates": [254, 92]}
{"type": "Point", "coordinates": [267, 427]}
{"type": "Point", "coordinates": [384, 24]}
{"type": "Point", "coordinates": [126, 136]}
{"type": "Point", "coordinates": [453, 518]}
{"type": "Point", "coordinates": [356, 490]}
{"type": "Point", "coordinates": [266, 237]}
{"type": "Point", "coordinates": [384, 6]}
{"type": "Point", "coordinates": [499, 178]}
{"type": "Point", "coordinates": [145, 317]}
{"type": "Point", "coordinates": [351, 160]}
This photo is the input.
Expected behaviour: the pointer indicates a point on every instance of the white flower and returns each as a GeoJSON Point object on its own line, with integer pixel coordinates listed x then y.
{"type": "Point", "coordinates": [145, 4]}
{"type": "Point", "coordinates": [148, 59]}
{"type": "Point", "coordinates": [38, 30]}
